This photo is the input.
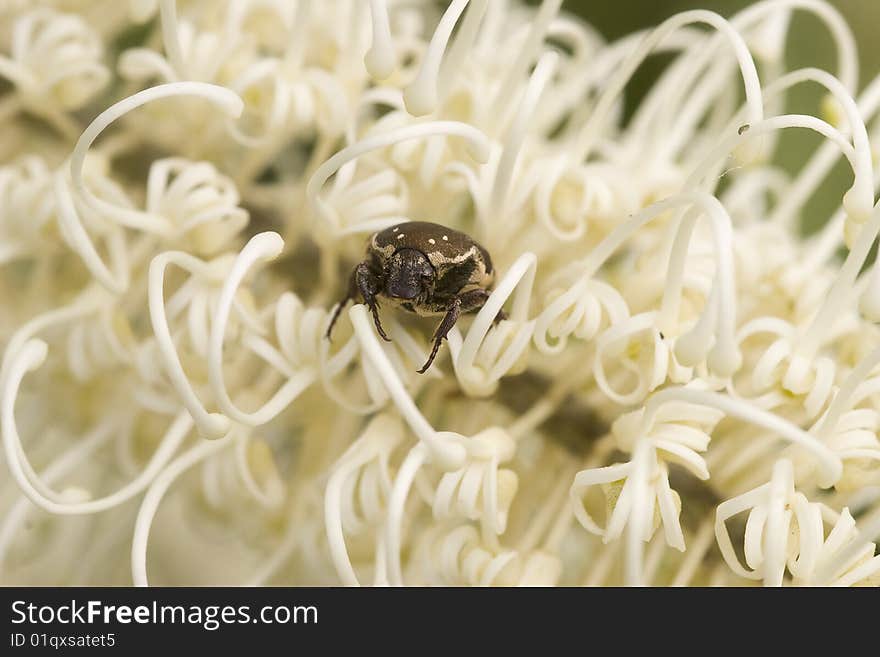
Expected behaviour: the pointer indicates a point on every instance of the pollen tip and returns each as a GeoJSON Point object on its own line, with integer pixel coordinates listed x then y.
{"type": "Point", "coordinates": [724, 360]}
{"type": "Point", "coordinates": [869, 304]}
{"type": "Point", "coordinates": [420, 99]}
{"type": "Point", "coordinates": [380, 63]}
{"type": "Point", "coordinates": [691, 348]}
{"type": "Point", "coordinates": [859, 202]}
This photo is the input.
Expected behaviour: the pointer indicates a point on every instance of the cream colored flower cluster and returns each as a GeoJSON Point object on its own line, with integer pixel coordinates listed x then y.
{"type": "Point", "coordinates": [685, 391]}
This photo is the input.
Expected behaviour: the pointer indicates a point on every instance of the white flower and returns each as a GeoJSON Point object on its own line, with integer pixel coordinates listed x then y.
{"type": "Point", "coordinates": [54, 63]}
{"type": "Point", "coordinates": [785, 530]}
{"type": "Point", "coordinates": [661, 347]}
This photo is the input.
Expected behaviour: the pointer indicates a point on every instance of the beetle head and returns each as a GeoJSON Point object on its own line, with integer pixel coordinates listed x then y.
{"type": "Point", "coordinates": [409, 275]}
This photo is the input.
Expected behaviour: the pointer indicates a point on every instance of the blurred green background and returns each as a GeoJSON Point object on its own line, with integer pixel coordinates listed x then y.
{"type": "Point", "coordinates": [620, 17]}
{"type": "Point", "coordinates": [808, 45]}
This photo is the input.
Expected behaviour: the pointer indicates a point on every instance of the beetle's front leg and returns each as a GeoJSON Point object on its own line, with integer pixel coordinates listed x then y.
{"type": "Point", "coordinates": [461, 304]}
{"type": "Point", "coordinates": [369, 285]}
{"type": "Point", "coordinates": [349, 295]}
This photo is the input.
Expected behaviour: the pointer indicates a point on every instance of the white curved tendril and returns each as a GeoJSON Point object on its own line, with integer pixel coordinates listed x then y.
{"type": "Point", "coordinates": [445, 448]}
{"type": "Point", "coordinates": [587, 136]}
{"type": "Point", "coordinates": [260, 248]}
{"type": "Point", "coordinates": [211, 425]}
{"type": "Point", "coordinates": [459, 558]}
{"type": "Point", "coordinates": [632, 490]}
{"type": "Point", "coordinates": [770, 373]}
{"type": "Point", "coordinates": [480, 490]}
{"type": "Point", "coordinates": [486, 354]}
{"type": "Point", "coordinates": [660, 334]}
{"type": "Point", "coordinates": [201, 203]}
{"type": "Point", "coordinates": [516, 135]}
{"type": "Point", "coordinates": [72, 502]}
{"type": "Point", "coordinates": [421, 96]}
{"type": "Point", "coordinates": [358, 488]}
{"type": "Point", "coordinates": [150, 504]}
{"type": "Point", "coordinates": [478, 145]}
{"type": "Point", "coordinates": [55, 64]}
{"type": "Point", "coordinates": [828, 463]}
{"type": "Point", "coordinates": [118, 281]}
{"type": "Point", "coordinates": [247, 471]}
{"type": "Point", "coordinates": [380, 59]}
{"type": "Point", "coordinates": [785, 530]}
{"type": "Point", "coordinates": [26, 207]}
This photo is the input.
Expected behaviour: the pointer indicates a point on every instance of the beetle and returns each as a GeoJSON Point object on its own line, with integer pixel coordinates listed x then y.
{"type": "Point", "coordinates": [423, 268]}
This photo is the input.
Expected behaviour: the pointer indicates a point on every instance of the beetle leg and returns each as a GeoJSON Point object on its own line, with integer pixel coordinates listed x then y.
{"type": "Point", "coordinates": [474, 299]}
{"type": "Point", "coordinates": [350, 294]}
{"type": "Point", "coordinates": [336, 311]}
{"type": "Point", "coordinates": [369, 286]}
{"type": "Point", "coordinates": [449, 320]}
{"type": "Point", "coordinates": [461, 304]}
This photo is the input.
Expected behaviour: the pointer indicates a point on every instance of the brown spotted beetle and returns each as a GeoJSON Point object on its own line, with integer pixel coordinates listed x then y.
{"type": "Point", "coordinates": [424, 268]}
